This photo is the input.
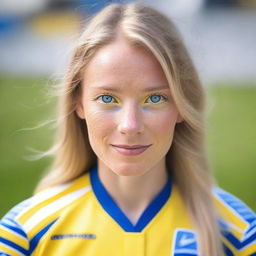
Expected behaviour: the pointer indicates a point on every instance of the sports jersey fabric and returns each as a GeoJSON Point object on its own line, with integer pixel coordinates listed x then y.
{"type": "Point", "coordinates": [81, 218]}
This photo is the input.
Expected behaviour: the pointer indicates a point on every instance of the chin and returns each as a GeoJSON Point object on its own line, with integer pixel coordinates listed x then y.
{"type": "Point", "coordinates": [129, 170]}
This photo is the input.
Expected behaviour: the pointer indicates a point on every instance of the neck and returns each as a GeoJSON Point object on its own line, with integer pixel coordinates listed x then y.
{"type": "Point", "coordinates": [133, 193]}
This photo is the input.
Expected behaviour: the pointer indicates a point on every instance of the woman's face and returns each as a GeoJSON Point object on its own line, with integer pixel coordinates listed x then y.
{"type": "Point", "coordinates": [128, 108]}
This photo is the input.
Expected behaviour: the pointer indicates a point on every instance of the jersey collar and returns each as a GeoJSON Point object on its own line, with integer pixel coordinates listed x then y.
{"type": "Point", "coordinates": [117, 214]}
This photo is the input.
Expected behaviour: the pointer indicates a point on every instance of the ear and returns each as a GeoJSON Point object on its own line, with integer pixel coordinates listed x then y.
{"type": "Point", "coordinates": [80, 110]}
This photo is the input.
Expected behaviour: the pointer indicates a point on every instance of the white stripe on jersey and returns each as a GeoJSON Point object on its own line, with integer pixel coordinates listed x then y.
{"type": "Point", "coordinates": [11, 248]}
{"type": "Point", "coordinates": [53, 207]}
{"type": "Point", "coordinates": [42, 196]}
{"type": "Point", "coordinates": [17, 209]}
{"type": "Point", "coordinates": [235, 205]}
{"type": "Point", "coordinates": [250, 233]}
{"type": "Point", "coordinates": [231, 225]}
{"type": "Point", "coordinates": [12, 231]}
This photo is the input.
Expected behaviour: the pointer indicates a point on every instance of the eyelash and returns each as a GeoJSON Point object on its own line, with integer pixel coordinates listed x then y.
{"type": "Point", "coordinates": [163, 96]}
{"type": "Point", "coordinates": [106, 94]}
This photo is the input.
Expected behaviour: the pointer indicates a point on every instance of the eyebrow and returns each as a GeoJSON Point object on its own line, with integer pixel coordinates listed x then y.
{"type": "Point", "coordinates": [150, 89]}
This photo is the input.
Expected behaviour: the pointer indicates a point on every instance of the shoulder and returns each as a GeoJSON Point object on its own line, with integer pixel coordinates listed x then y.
{"type": "Point", "coordinates": [21, 226]}
{"type": "Point", "coordinates": [237, 222]}
{"type": "Point", "coordinates": [234, 207]}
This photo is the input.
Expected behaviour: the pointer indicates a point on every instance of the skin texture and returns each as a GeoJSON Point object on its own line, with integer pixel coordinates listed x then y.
{"type": "Point", "coordinates": [127, 73]}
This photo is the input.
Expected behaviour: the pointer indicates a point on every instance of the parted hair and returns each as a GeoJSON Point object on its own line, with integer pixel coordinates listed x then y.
{"type": "Point", "coordinates": [187, 156]}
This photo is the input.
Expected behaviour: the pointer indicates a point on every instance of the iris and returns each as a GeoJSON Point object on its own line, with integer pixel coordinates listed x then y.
{"type": "Point", "coordinates": [106, 98]}
{"type": "Point", "coordinates": [155, 98]}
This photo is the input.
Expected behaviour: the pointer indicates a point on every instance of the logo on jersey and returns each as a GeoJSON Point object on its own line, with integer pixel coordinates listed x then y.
{"type": "Point", "coordinates": [184, 243]}
{"type": "Point", "coordinates": [77, 236]}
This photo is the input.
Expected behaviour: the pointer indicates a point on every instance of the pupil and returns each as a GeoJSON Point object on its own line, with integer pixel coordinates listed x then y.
{"type": "Point", "coordinates": [107, 98]}
{"type": "Point", "coordinates": [155, 98]}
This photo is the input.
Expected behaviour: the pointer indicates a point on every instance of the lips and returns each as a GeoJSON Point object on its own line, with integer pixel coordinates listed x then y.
{"type": "Point", "coordinates": [130, 150]}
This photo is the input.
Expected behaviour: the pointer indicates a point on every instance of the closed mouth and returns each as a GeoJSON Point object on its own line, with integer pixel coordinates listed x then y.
{"type": "Point", "coordinates": [130, 150]}
{"type": "Point", "coordinates": [131, 147]}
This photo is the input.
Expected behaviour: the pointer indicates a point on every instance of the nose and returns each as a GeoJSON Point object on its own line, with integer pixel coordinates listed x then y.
{"type": "Point", "coordinates": [130, 120]}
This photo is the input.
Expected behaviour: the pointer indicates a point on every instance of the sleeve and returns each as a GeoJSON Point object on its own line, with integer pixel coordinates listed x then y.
{"type": "Point", "coordinates": [13, 239]}
{"type": "Point", "coordinates": [238, 225]}
{"type": "Point", "coordinates": [246, 246]}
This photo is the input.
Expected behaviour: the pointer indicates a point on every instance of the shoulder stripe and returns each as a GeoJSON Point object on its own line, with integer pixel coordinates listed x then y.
{"type": "Point", "coordinates": [17, 209]}
{"type": "Point", "coordinates": [36, 239]}
{"type": "Point", "coordinates": [53, 207]}
{"type": "Point", "coordinates": [14, 230]}
{"type": "Point", "coordinates": [10, 222]}
{"type": "Point", "coordinates": [227, 251]}
{"type": "Point", "coordinates": [42, 196]}
{"type": "Point", "coordinates": [13, 246]}
{"type": "Point", "coordinates": [240, 244]}
{"type": "Point", "coordinates": [250, 232]}
{"type": "Point", "coordinates": [227, 225]}
{"type": "Point", "coordinates": [29, 203]}
{"type": "Point", "coordinates": [235, 205]}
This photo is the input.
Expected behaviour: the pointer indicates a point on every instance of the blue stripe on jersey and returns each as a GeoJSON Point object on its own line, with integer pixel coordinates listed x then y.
{"type": "Point", "coordinates": [251, 227]}
{"type": "Point", "coordinates": [254, 254]}
{"type": "Point", "coordinates": [13, 245]}
{"type": "Point", "coordinates": [117, 214]}
{"type": "Point", "coordinates": [227, 251]}
{"type": "Point", "coordinates": [36, 239]}
{"type": "Point", "coordinates": [107, 202]}
{"type": "Point", "coordinates": [239, 244]}
{"type": "Point", "coordinates": [236, 205]}
{"type": "Point", "coordinates": [155, 206]}
{"type": "Point", "coordinates": [17, 209]}
{"type": "Point", "coordinates": [15, 229]}
{"type": "Point", "coordinates": [185, 254]}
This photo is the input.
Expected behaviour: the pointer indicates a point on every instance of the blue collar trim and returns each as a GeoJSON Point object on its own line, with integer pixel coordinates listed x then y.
{"type": "Point", "coordinates": [117, 214]}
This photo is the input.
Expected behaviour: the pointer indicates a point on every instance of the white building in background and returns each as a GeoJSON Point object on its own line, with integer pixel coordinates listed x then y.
{"type": "Point", "coordinates": [22, 7]}
{"type": "Point", "coordinates": [181, 8]}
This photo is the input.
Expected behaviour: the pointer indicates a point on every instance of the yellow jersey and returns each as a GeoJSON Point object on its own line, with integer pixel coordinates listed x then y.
{"type": "Point", "coordinates": [81, 218]}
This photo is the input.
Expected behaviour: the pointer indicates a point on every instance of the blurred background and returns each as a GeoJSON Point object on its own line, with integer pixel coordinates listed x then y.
{"type": "Point", "coordinates": [36, 39]}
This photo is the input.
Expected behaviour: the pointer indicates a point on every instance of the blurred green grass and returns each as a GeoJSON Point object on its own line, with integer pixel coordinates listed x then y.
{"type": "Point", "coordinates": [231, 131]}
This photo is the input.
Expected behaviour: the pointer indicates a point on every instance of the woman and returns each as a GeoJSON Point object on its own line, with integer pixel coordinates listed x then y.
{"type": "Point", "coordinates": [130, 175]}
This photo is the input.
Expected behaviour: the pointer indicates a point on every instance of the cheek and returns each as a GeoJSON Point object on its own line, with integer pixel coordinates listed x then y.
{"type": "Point", "coordinates": [99, 124]}
{"type": "Point", "coordinates": [164, 122]}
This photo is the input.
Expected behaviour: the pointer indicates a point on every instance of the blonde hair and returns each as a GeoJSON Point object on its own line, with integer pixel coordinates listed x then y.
{"type": "Point", "coordinates": [187, 158]}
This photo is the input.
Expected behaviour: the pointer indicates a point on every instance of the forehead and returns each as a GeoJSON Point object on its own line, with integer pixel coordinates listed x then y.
{"type": "Point", "coordinates": [123, 63]}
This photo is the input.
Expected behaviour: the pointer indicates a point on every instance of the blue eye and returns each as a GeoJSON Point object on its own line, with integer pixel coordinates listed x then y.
{"type": "Point", "coordinates": [107, 98]}
{"type": "Point", "coordinates": [155, 98]}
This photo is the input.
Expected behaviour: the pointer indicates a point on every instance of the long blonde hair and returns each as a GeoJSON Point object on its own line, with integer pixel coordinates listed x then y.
{"type": "Point", "coordinates": [187, 158]}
